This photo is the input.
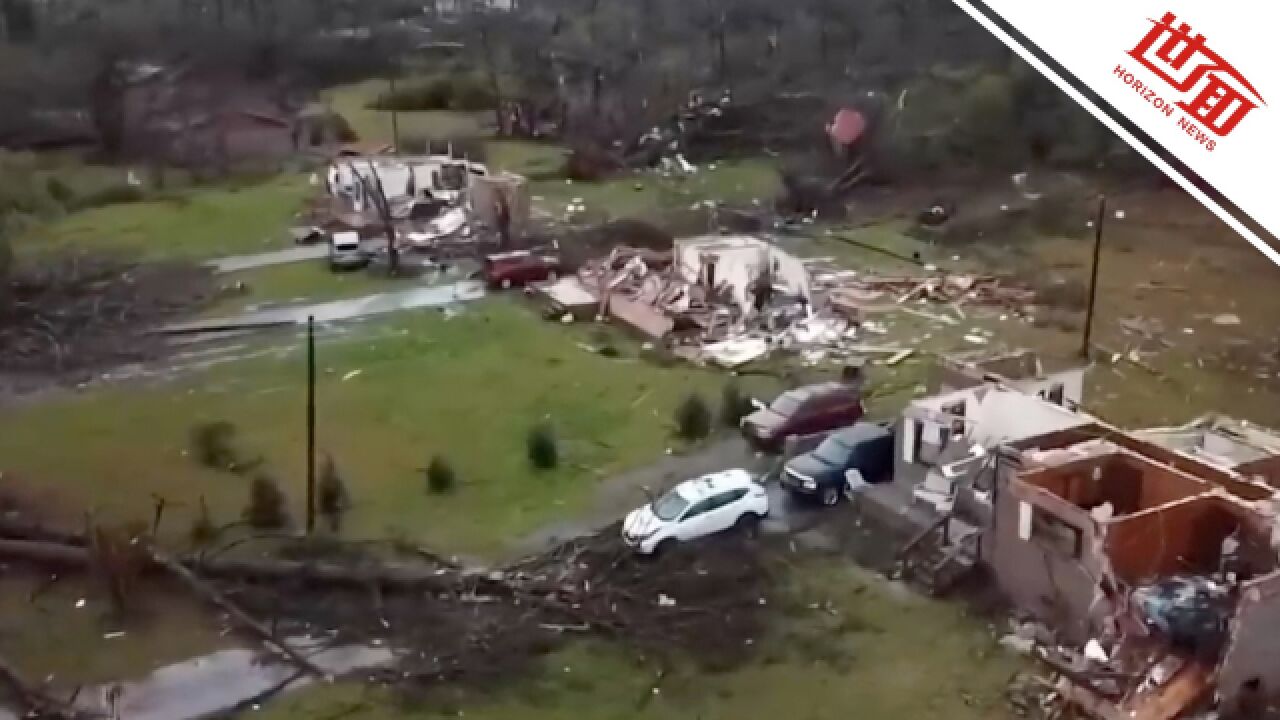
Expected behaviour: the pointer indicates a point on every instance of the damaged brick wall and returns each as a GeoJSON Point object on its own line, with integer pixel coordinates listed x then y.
{"type": "Point", "coordinates": [1053, 584]}
{"type": "Point", "coordinates": [1128, 483]}
{"type": "Point", "coordinates": [1215, 476]}
{"type": "Point", "coordinates": [1182, 538]}
{"type": "Point", "coordinates": [1251, 663]}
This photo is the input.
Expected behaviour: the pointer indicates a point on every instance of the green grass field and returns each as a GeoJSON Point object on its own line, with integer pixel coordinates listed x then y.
{"type": "Point", "coordinates": [352, 102]}
{"type": "Point", "coordinates": [193, 224]}
{"type": "Point", "coordinates": [309, 281]}
{"type": "Point", "coordinates": [468, 388]}
{"type": "Point", "coordinates": [47, 632]}
{"type": "Point", "coordinates": [638, 194]}
{"type": "Point", "coordinates": [652, 195]}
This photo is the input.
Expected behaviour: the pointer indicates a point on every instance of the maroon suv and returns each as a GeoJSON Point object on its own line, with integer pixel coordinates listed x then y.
{"type": "Point", "coordinates": [803, 411]}
{"type": "Point", "coordinates": [512, 269]}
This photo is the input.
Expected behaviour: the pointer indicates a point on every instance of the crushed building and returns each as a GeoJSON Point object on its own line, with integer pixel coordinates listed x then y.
{"type": "Point", "coordinates": [1238, 445]}
{"type": "Point", "coordinates": [1152, 558]}
{"type": "Point", "coordinates": [440, 206]}
{"type": "Point", "coordinates": [1166, 564]}
{"type": "Point", "coordinates": [1022, 369]}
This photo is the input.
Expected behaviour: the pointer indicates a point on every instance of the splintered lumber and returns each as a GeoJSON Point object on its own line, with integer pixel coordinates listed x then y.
{"type": "Point", "coordinates": [199, 587]}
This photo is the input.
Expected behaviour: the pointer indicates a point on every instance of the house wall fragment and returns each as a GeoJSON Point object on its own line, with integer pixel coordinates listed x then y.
{"type": "Point", "coordinates": [1253, 653]}
{"type": "Point", "coordinates": [1054, 584]}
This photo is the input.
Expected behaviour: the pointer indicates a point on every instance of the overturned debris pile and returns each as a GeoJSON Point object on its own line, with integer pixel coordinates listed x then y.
{"type": "Point", "coordinates": [82, 311]}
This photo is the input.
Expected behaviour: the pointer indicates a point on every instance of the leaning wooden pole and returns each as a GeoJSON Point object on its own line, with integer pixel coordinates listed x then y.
{"type": "Point", "coordinates": [1086, 341]}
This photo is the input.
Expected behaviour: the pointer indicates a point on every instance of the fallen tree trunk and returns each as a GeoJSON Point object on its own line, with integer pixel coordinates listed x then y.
{"type": "Point", "coordinates": [186, 577]}
{"type": "Point", "coordinates": [385, 575]}
{"type": "Point", "coordinates": [20, 530]}
{"type": "Point", "coordinates": [72, 557]}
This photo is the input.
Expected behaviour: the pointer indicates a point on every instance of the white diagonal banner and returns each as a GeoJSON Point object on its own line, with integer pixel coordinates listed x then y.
{"type": "Point", "coordinates": [1199, 79]}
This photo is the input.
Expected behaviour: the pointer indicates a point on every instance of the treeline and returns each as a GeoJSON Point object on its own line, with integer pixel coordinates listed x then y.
{"type": "Point", "coordinates": [938, 89]}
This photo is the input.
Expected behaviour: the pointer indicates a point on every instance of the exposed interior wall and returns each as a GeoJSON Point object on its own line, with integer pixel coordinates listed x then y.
{"type": "Point", "coordinates": [1129, 483]}
{"type": "Point", "coordinates": [1268, 469]}
{"type": "Point", "coordinates": [1253, 652]}
{"type": "Point", "coordinates": [1088, 431]}
{"type": "Point", "coordinates": [738, 260]}
{"type": "Point", "coordinates": [512, 189]}
{"type": "Point", "coordinates": [1182, 538]}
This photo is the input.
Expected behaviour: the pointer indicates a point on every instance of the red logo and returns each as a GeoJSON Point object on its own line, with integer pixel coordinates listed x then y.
{"type": "Point", "coordinates": [1213, 92]}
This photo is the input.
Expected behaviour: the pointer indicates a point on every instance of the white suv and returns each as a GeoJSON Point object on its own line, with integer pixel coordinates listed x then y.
{"type": "Point", "coordinates": [696, 508]}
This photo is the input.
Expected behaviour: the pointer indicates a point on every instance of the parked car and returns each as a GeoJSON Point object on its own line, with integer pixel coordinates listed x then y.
{"type": "Point", "coordinates": [521, 267]}
{"type": "Point", "coordinates": [345, 252]}
{"type": "Point", "coordinates": [696, 508]}
{"type": "Point", "coordinates": [865, 448]}
{"type": "Point", "coordinates": [803, 411]}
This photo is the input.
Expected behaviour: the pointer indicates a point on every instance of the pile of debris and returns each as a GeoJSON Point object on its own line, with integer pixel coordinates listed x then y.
{"type": "Point", "coordinates": [733, 299]}
{"type": "Point", "coordinates": [82, 311]}
{"type": "Point", "coordinates": [1158, 661]}
{"type": "Point", "coordinates": [438, 207]}
{"type": "Point", "coordinates": [702, 601]}
{"type": "Point", "coordinates": [448, 626]}
{"type": "Point", "coordinates": [851, 290]}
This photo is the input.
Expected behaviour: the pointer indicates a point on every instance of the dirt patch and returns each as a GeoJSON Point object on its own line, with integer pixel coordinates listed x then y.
{"type": "Point", "coordinates": [583, 244]}
{"type": "Point", "coordinates": [76, 313]}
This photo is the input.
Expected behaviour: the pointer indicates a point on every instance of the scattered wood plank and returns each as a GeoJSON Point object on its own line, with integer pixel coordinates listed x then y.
{"type": "Point", "coordinates": [899, 357]}
{"type": "Point", "coordinates": [929, 316]}
{"type": "Point", "coordinates": [875, 349]}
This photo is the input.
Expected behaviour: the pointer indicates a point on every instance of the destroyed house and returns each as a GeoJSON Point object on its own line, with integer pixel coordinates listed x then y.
{"type": "Point", "coordinates": [945, 439]}
{"type": "Point", "coordinates": [1022, 370]}
{"type": "Point", "coordinates": [1249, 450]}
{"type": "Point", "coordinates": [428, 176]}
{"type": "Point", "coordinates": [945, 469]}
{"type": "Point", "coordinates": [1165, 565]}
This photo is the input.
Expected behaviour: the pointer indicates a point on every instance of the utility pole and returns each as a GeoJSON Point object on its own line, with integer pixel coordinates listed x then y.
{"type": "Point", "coordinates": [311, 424]}
{"type": "Point", "coordinates": [1093, 277]}
{"type": "Point", "coordinates": [395, 116]}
